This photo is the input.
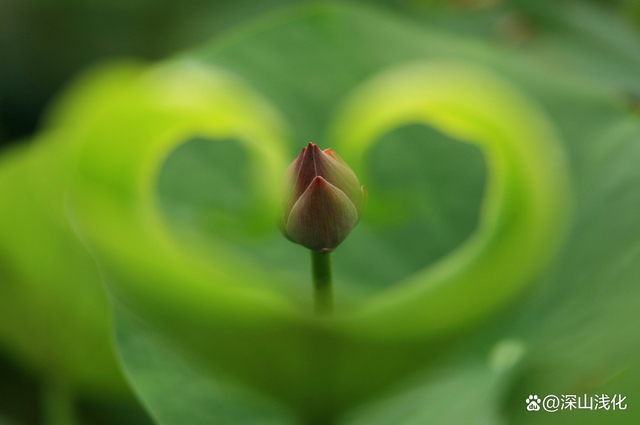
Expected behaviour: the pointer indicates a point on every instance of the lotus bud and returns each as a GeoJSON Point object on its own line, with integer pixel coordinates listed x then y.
{"type": "Point", "coordinates": [323, 200]}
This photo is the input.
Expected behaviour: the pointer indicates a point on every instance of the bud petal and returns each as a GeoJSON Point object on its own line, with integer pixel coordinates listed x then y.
{"type": "Point", "coordinates": [334, 170]}
{"type": "Point", "coordinates": [311, 163]}
{"type": "Point", "coordinates": [322, 217]}
{"type": "Point", "coordinates": [298, 177]}
{"type": "Point", "coordinates": [323, 200]}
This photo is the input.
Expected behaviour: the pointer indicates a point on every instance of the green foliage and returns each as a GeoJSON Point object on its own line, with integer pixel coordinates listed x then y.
{"type": "Point", "coordinates": [54, 314]}
{"type": "Point", "coordinates": [526, 176]}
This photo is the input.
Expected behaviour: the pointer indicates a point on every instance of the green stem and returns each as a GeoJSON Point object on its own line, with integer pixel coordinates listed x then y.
{"type": "Point", "coordinates": [322, 272]}
{"type": "Point", "coordinates": [58, 404]}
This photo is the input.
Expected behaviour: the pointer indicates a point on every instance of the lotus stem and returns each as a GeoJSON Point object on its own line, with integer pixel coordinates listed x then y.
{"type": "Point", "coordinates": [322, 272]}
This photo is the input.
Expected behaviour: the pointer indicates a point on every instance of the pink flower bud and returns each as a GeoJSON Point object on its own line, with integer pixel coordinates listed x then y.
{"type": "Point", "coordinates": [323, 200]}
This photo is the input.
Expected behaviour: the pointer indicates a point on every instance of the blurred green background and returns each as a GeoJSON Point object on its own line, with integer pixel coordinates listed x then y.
{"type": "Point", "coordinates": [44, 44]}
{"type": "Point", "coordinates": [579, 60]}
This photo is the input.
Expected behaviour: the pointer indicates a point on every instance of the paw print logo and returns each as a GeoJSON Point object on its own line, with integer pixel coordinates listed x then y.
{"type": "Point", "coordinates": [533, 403]}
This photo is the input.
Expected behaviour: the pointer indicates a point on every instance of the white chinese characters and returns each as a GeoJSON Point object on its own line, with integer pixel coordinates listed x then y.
{"type": "Point", "coordinates": [552, 403]}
